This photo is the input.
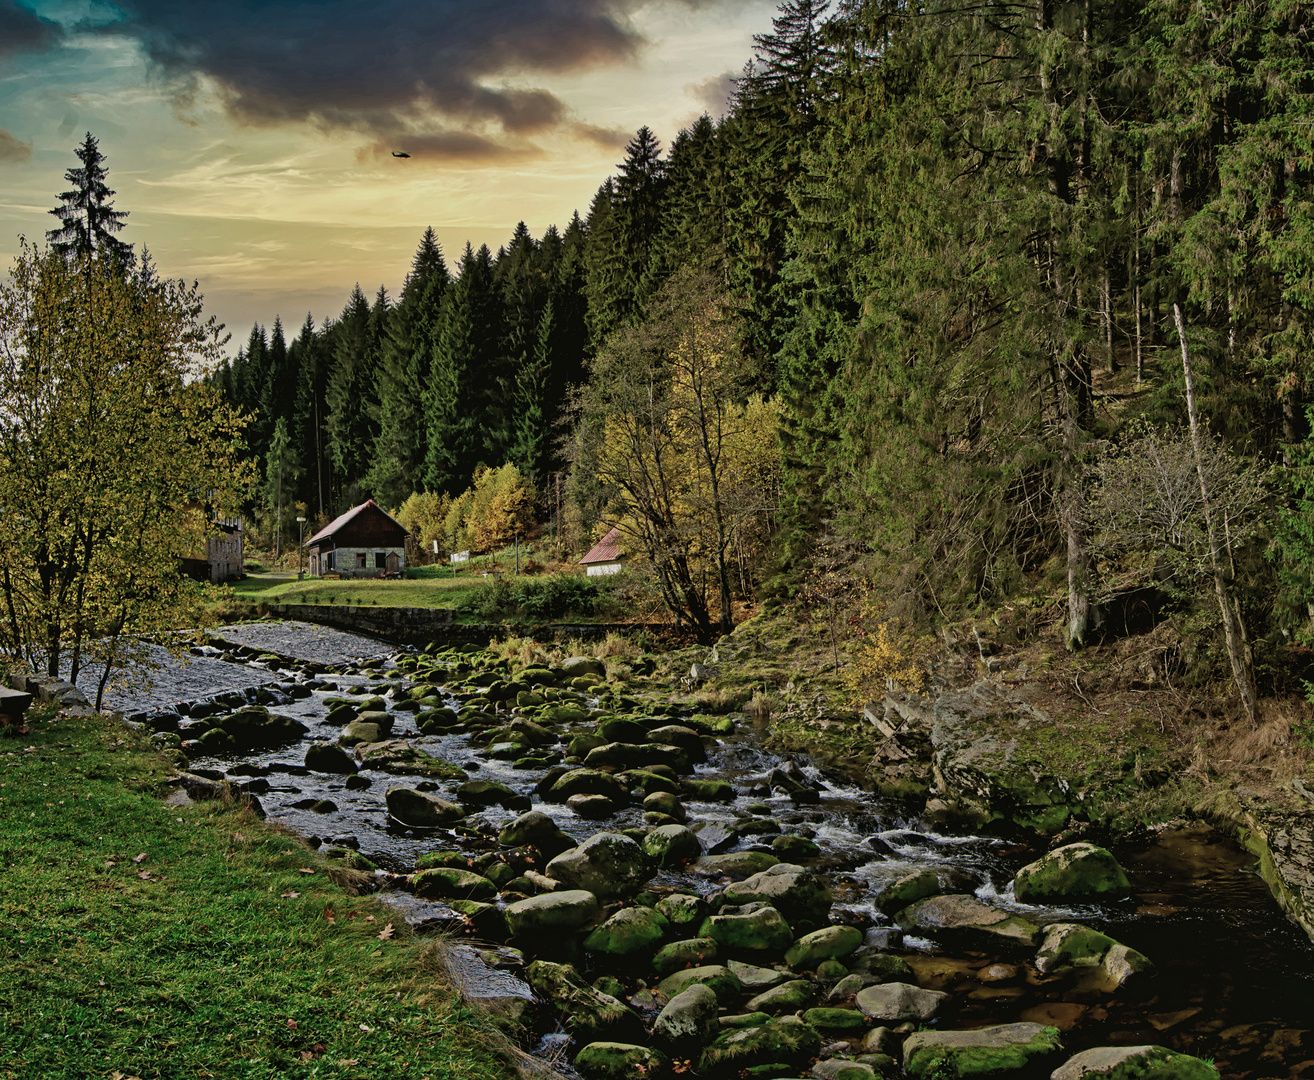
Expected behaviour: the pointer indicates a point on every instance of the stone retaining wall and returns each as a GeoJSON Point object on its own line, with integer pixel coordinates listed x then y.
{"type": "Point", "coordinates": [420, 626]}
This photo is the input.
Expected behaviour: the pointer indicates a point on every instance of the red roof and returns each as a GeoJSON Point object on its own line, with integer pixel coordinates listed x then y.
{"type": "Point", "coordinates": [608, 549]}
{"type": "Point", "coordinates": [342, 519]}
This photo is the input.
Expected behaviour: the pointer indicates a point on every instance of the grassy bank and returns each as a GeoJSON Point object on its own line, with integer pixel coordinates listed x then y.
{"type": "Point", "coordinates": [425, 587]}
{"type": "Point", "coordinates": [143, 940]}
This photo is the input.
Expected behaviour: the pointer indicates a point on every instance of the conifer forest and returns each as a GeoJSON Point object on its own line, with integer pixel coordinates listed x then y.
{"type": "Point", "coordinates": [979, 301]}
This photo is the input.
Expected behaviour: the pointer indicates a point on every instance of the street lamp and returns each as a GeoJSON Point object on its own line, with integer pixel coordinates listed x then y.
{"type": "Point", "coordinates": [301, 532]}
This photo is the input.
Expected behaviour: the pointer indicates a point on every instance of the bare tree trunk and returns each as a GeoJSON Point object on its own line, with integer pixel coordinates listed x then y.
{"type": "Point", "coordinates": [1233, 629]}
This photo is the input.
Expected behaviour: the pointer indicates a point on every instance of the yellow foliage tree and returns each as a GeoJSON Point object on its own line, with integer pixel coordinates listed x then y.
{"type": "Point", "coordinates": [499, 506]}
{"type": "Point", "coordinates": [110, 446]}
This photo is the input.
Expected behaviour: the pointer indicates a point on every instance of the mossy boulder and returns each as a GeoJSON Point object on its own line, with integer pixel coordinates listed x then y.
{"type": "Point", "coordinates": [621, 1061]}
{"type": "Point", "coordinates": [607, 864]}
{"type": "Point", "coordinates": [720, 979]}
{"type": "Point", "coordinates": [908, 889]}
{"type": "Point", "coordinates": [991, 1051]}
{"type": "Point", "coordinates": [1073, 872]}
{"type": "Point", "coordinates": [419, 808]}
{"type": "Point", "coordinates": [629, 931]}
{"type": "Point", "coordinates": [672, 845]}
{"type": "Point", "coordinates": [399, 756]}
{"type": "Point", "coordinates": [787, 1040]}
{"type": "Point", "coordinates": [899, 1003]}
{"type": "Point", "coordinates": [683, 909]}
{"type": "Point", "coordinates": [448, 882]}
{"type": "Point", "coordinates": [618, 755]}
{"type": "Point", "coordinates": [836, 1021]}
{"type": "Point", "coordinates": [793, 849]}
{"type": "Point", "coordinates": [828, 943]}
{"type": "Point", "coordinates": [1133, 1063]}
{"type": "Point", "coordinates": [689, 1019]}
{"type": "Point", "coordinates": [961, 920]}
{"type": "Point", "coordinates": [717, 791]}
{"type": "Point", "coordinates": [491, 793]}
{"type": "Point", "coordinates": [587, 782]}
{"type": "Point", "coordinates": [621, 729]}
{"type": "Point", "coordinates": [535, 829]}
{"type": "Point", "coordinates": [788, 997]}
{"type": "Point", "coordinates": [588, 1013]}
{"type": "Point", "coordinates": [796, 892]}
{"type": "Point", "coordinates": [576, 666]}
{"type": "Point", "coordinates": [329, 758]}
{"type": "Point", "coordinates": [737, 865]}
{"type": "Point", "coordinates": [256, 728]}
{"type": "Point", "coordinates": [552, 915]}
{"type": "Point", "coordinates": [690, 952]}
{"type": "Point", "coordinates": [763, 931]}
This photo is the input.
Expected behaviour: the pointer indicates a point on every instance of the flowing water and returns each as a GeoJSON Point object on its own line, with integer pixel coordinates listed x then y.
{"type": "Point", "coordinates": [1235, 980]}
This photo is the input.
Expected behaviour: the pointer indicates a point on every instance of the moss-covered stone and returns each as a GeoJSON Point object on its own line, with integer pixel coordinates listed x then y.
{"type": "Point", "coordinates": [399, 756]}
{"type": "Point", "coordinates": [419, 808]}
{"type": "Point", "coordinates": [552, 914]}
{"type": "Point", "coordinates": [629, 931]}
{"type": "Point", "coordinates": [691, 952]}
{"type": "Point", "coordinates": [788, 997]}
{"type": "Point", "coordinates": [763, 932]}
{"type": "Point", "coordinates": [1073, 872]}
{"type": "Point", "coordinates": [621, 1061]}
{"type": "Point", "coordinates": [828, 943]}
{"type": "Point", "coordinates": [445, 882]}
{"type": "Point", "coordinates": [1133, 1063]}
{"type": "Point", "coordinates": [908, 889]}
{"type": "Point", "coordinates": [734, 864]}
{"type": "Point", "coordinates": [786, 1040]}
{"type": "Point", "coordinates": [991, 1051]}
{"type": "Point", "coordinates": [722, 981]}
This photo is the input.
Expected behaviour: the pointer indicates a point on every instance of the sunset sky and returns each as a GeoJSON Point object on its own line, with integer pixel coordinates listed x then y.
{"type": "Point", "coordinates": [251, 140]}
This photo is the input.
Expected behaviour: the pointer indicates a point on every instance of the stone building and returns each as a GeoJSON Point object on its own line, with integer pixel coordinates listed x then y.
{"type": "Point", "coordinates": [221, 560]}
{"type": "Point", "coordinates": [364, 542]}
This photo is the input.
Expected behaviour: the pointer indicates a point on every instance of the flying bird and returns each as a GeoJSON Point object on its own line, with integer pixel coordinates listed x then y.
{"type": "Point", "coordinates": [400, 153]}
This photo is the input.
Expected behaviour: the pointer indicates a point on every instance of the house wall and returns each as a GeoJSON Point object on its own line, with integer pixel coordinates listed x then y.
{"type": "Point", "coordinates": [224, 554]}
{"type": "Point", "coordinates": [346, 561]}
{"type": "Point", "coordinates": [602, 569]}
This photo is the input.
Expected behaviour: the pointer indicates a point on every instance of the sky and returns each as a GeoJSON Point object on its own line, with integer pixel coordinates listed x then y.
{"type": "Point", "coordinates": [251, 141]}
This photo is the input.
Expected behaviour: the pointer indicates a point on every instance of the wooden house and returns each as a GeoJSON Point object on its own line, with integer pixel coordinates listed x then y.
{"type": "Point", "coordinates": [364, 542]}
{"type": "Point", "coordinates": [604, 557]}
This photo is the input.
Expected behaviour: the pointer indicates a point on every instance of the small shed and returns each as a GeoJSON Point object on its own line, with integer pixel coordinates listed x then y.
{"type": "Point", "coordinates": [604, 557]}
{"type": "Point", "coordinates": [364, 542]}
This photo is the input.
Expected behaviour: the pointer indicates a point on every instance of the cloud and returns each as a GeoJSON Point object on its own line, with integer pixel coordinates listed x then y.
{"type": "Point", "coordinates": [384, 65]}
{"type": "Point", "coordinates": [12, 148]}
{"type": "Point", "coordinates": [448, 147]}
{"type": "Point", "coordinates": [715, 94]}
{"type": "Point", "coordinates": [22, 30]}
{"type": "Point", "coordinates": [607, 138]}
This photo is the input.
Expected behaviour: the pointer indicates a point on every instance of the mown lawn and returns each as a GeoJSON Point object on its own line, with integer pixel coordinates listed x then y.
{"type": "Point", "coordinates": [143, 940]}
{"type": "Point", "coordinates": [430, 592]}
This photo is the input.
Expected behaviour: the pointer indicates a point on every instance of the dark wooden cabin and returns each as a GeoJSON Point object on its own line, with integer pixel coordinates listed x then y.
{"type": "Point", "coordinates": [364, 542]}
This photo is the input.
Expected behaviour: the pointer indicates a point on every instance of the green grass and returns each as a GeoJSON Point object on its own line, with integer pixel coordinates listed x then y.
{"type": "Point", "coordinates": [426, 592]}
{"type": "Point", "coordinates": [142, 940]}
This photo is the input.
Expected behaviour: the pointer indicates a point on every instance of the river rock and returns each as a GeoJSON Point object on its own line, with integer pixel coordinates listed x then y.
{"type": "Point", "coordinates": [1071, 946]}
{"type": "Point", "coordinates": [840, 1068]}
{"type": "Point", "coordinates": [683, 909]}
{"type": "Point", "coordinates": [329, 758]}
{"type": "Point", "coordinates": [629, 931]}
{"type": "Point", "coordinates": [691, 952]}
{"type": "Point", "coordinates": [840, 1022]}
{"type": "Point", "coordinates": [620, 1061]}
{"type": "Point", "coordinates": [587, 782]}
{"type": "Point", "coordinates": [591, 807]}
{"type": "Point", "coordinates": [399, 756]}
{"type": "Point", "coordinates": [590, 1014]}
{"type": "Point", "coordinates": [908, 889]}
{"type": "Point", "coordinates": [685, 738]}
{"type": "Point", "coordinates": [989, 1051]}
{"type": "Point", "coordinates": [899, 1002]}
{"type": "Point", "coordinates": [552, 914]}
{"type": "Point", "coordinates": [491, 793]}
{"type": "Point", "coordinates": [734, 864]}
{"type": "Point", "coordinates": [637, 755]}
{"type": "Point", "coordinates": [755, 979]}
{"type": "Point", "coordinates": [1073, 872]}
{"type": "Point", "coordinates": [449, 882]}
{"type": "Point", "coordinates": [788, 997]}
{"type": "Point", "coordinates": [622, 730]}
{"type": "Point", "coordinates": [576, 666]}
{"type": "Point", "coordinates": [1128, 1062]}
{"type": "Point", "coordinates": [256, 728]}
{"type": "Point", "coordinates": [606, 864]}
{"type": "Point", "coordinates": [762, 931]}
{"type": "Point", "coordinates": [828, 943]}
{"type": "Point", "coordinates": [412, 807]}
{"type": "Point", "coordinates": [663, 802]}
{"type": "Point", "coordinates": [720, 979]}
{"type": "Point", "coordinates": [689, 1019]}
{"type": "Point", "coordinates": [709, 790]}
{"type": "Point", "coordinates": [671, 845]}
{"type": "Point", "coordinates": [787, 1040]}
{"type": "Point", "coordinates": [535, 829]}
{"type": "Point", "coordinates": [796, 892]}
{"type": "Point", "coordinates": [963, 920]}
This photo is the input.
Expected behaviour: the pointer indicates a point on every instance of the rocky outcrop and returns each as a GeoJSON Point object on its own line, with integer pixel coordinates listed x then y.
{"type": "Point", "coordinates": [1279, 832]}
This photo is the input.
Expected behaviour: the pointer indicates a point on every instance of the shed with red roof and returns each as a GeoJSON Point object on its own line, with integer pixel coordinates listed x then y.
{"type": "Point", "coordinates": [604, 557]}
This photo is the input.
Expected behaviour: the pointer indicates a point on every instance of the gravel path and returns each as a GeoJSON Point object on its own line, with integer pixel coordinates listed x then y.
{"type": "Point", "coordinates": [305, 641]}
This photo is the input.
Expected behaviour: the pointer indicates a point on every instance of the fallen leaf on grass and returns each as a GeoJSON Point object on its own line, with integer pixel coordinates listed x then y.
{"type": "Point", "coordinates": [292, 1025]}
{"type": "Point", "coordinates": [369, 918]}
{"type": "Point", "coordinates": [305, 870]}
{"type": "Point", "coordinates": [146, 875]}
{"type": "Point", "coordinates": [386, 932]}
{"type": "Point", "coordinates": [289, 895]}
{"type": "Point", "coordinates": [330, 917]}
{"type": "Point", "coordinates": [238, 838]}
{"type": "Point", "coordinates": [140, 858]}
{"type": "Point", "coordinates": [348, 1062]}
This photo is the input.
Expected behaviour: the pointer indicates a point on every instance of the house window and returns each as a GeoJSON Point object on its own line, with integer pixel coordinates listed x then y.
{"type": "Point", "coordinates": [380, 560]}
{"type": "Point", "coordinates": [360, 560]}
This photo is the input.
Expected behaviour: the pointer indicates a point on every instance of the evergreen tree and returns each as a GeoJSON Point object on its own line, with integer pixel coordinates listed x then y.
{"type": "Point", "coordinates": [352, 395]}
{"type": "Point", "coordinates": [87, 218]}
{"type": "Point", "coordinates": [310, 413]}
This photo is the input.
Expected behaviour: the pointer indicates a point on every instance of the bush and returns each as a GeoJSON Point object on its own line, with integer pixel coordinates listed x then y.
{"type": "Point", "coordinates": [556, 597]}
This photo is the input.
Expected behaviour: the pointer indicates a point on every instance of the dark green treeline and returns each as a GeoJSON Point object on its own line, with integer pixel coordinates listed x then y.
{"type": "Point", "coordinates": [955, 237]}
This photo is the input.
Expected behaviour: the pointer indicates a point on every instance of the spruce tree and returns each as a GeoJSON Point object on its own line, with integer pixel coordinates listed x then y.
{"type": "Point", "coordinates": [88, 220]}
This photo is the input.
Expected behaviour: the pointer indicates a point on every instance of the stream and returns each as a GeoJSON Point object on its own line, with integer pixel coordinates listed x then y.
{"type": "Point", "coordinates": [1235, 980]}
